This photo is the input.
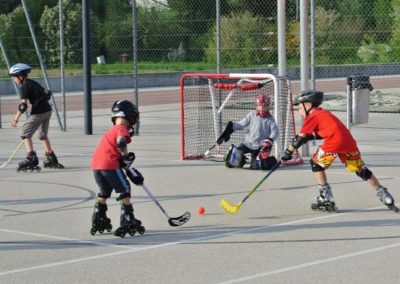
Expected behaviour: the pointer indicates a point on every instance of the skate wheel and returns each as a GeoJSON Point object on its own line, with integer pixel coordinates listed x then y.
{"type": "Point", "coordinates": [394, 208]}
{"type": "Point", "coordinates": [141, 230]}
{"type": "Point", "coordinates": [93, 231]}
{"type": "Point", "coordinates": [101, 231]}
{"type": "Point", "coordinates": [24, 170]}
{"type": "Point", "coordinates": [120, 233]}
{"type": "Point", "coordinates": [333, 209]}
{"type": "Point", "coordinates": [38, 170]}
{"type": "Point", "coordinates": [132, 233]}
{"type": "Point", "coordinates": [109, 229]}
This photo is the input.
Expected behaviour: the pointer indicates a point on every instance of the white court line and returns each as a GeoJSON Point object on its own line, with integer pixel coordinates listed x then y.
{"type": "Point", "coordinates": [130, 250]}
{"type": "Point", "coordinates": [308, 264]}
{"type": "Point", "coordinates": [63, 239]}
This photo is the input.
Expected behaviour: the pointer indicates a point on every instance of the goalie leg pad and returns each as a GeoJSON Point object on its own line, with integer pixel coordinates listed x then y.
{"type": "Point", "coordinates": [234, 158]}
{"type": "Point", "coordinates": [365, 174]}
{"type": "Point", "coordinates": [268, 163]}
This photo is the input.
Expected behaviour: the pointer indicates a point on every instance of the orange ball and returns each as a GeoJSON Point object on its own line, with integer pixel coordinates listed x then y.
{"type": "Point", "coordinates": [201, 210]}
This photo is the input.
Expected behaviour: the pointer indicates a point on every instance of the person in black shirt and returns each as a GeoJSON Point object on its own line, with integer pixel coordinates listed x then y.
{"type": "Point", "coordinates": [38, 120]}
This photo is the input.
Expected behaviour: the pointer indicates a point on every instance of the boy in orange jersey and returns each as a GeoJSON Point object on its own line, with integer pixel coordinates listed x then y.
{"type": "Point", "coordinates": [338, 142]}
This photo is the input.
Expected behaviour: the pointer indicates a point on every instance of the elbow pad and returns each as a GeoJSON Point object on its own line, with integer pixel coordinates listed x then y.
{"type": "Point", "coordinates": [121, 143]}
{"type": "Point", "coordinates": [22, 107]}
{"type": "Point", "coordinates": [298, 141]}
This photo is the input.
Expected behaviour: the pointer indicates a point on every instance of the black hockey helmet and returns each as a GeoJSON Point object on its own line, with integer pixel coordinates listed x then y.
{"type": "Point", "coordinates": [313, 97]}
{"type": "Point", "coordinates": [125, 109]}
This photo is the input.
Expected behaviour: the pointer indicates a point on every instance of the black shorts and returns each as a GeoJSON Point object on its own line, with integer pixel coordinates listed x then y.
{"type": "Point", "coordinates": [107, 180]}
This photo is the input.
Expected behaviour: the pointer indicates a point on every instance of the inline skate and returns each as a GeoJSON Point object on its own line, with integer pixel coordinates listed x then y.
{"type": "Point", "coordinates": [100, 222]}
{"type": "Point", "coordinates": [51, 161]}
{"type": "Point", "coordinates": [129, 225]}
{"type": "Point", "coordinates": [386, 198]}
{"type": "Point", "coordinates": [29, 164]}
{"type": "Point", "coordinates": [324, 201]}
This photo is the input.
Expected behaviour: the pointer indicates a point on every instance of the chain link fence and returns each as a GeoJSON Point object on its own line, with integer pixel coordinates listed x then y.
{"type": "Point", "coordinates": [176, 36]}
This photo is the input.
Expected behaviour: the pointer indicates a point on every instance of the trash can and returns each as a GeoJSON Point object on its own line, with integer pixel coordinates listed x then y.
{"type": "Point", "coordinates": [360, 89]}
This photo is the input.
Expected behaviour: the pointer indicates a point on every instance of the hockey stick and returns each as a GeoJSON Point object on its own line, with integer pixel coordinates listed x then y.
{"type": "Point", "coordinates": [12, 155]}
{"type": "Point", "coordinates": [233, 208]}
{"type": "Point", "coordinates": [220, 139]}
{"type": "Point", "coordinates": [172, 221]}
{"type": "Point", "coordinates": [212, 147]}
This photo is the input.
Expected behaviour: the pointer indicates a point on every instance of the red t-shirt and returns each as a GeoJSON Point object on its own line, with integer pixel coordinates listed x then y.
{"type": "Point", "coordinates": [337, 138]}
{"type": "Point", "coordinates": [106, 156]}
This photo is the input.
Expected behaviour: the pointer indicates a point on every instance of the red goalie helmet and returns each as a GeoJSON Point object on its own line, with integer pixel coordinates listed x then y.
{"type": "Point", "coordinates": [263, 99]}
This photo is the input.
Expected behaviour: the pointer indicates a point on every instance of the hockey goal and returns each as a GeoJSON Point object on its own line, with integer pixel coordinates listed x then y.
{"type": "Point", "coordinates": [209, 101]}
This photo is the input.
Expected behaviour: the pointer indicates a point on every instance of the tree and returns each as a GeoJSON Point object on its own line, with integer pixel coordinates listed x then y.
{"type": "Point", "coordinates": [245, 40]}
{"type": "Point", "coordinates": [16, 36]}
{"type": "Point", "coordinates": [49, 23]}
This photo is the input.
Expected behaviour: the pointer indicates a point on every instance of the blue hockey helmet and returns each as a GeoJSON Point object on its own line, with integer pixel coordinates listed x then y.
{"type": "Point", "coordinates": [20, 69]}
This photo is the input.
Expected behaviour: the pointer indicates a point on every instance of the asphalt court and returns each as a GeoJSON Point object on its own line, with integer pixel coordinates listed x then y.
{"type": "Point", "coordinates": [274, 238]}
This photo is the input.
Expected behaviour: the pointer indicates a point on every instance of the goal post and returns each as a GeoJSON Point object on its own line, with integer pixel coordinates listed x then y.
{"type": "Point", "coordinates": [210, 101]}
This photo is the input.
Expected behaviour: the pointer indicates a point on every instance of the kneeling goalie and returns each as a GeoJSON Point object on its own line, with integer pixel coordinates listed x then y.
{"type": "Point", "coordinates": [263, 131]}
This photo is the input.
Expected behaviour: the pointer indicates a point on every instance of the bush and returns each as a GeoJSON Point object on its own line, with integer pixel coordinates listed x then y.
{"type": "Point", "coordinates": [245, 40]}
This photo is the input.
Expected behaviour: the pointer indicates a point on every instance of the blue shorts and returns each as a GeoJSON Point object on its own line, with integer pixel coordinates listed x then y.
{"type": "Point", "coordinates": [107, 180]}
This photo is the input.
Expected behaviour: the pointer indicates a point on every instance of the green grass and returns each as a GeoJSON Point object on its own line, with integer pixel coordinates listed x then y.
{"type": "Point", "coordinates": [126, 68]}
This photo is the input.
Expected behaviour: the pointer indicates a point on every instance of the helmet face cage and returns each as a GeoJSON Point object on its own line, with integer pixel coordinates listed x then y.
{"type": "Point", "coordinates": [19, 69]}
{"type": "Point", "coordinates": [263, 99]}
{"type": "Point", "coordinates": [313, 97]}
{"type": "Point", "coordinates": [125, 109]}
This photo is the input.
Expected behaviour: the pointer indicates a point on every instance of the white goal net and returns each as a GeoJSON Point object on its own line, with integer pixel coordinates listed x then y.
{"type": "Point", "coordinates": [210, 101]}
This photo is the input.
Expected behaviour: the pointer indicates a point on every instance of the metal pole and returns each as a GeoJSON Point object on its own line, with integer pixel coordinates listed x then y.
{"type": "Point", "coordinates": [304, 55]}
{"type": "Point", "coordinates": [39, 55]}
{"type": "Point", "coordinates": [312, 39]}
{"type": "Point", "coordinates": [3, 50]}
{"type": "Point", "coordinates": [282, 38]}
{"type": "Point", "coordinates": [135, 58]}
{"type": "Point", "coordinates": [87, 85]}
{"type": "Point", "coordinates": [64, 107]}
{"type": "Point", "coordinates": [218, 35]}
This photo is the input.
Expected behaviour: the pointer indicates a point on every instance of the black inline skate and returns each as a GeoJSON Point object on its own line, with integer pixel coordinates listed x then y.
{"type": "Point", "coordinates": [129, 225]}
{"type": "Point", "coordinates": [386, 198]}
{"type": "Point", "coordinates": [29, 164]}
{"type": "Point", "coordinates": [324, 201]}
{"type": "Point", "coordinates": [51, 161]}
{"type": "Point", "coordinates": [100, 222]}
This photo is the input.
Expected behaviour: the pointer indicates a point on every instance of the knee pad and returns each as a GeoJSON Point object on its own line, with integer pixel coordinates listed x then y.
{"type": "Point", "coordinates": [124, 195]}
{"type": "Point", "coordinates": [103, 195]}
{"type": "Point", "coordinates": [234, 158]}
{"type": "Point", "coordinates": [268, 163]}
{"type": "Point", "coordinates": [315, 167]}
{"type": "Point", "coordinates": [365, 174]}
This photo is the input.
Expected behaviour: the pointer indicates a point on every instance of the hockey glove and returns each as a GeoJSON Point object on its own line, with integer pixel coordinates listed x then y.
{"type": "Point", "coordinates": [126, 161]}
{"type": "Point", "coordinates": [287, 155]}
{"type": "Point", "coordinates": [266, 147]}
{"type": "Point", "coordinates": [131, 131]}
{"type": "Point", "coordinates": [226, 135]}
{"type": "Point", "coordinates": [135, 176]}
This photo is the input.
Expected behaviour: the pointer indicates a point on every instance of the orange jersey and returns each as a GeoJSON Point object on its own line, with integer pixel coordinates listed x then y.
{"type": "Point", "coordinates": [337, 138]}
{"type": "Point", "coordinates": [106, 156]}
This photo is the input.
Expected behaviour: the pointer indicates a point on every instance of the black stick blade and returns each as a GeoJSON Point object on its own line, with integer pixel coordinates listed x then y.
{"type": "Point", "coordinates": [179, 221]}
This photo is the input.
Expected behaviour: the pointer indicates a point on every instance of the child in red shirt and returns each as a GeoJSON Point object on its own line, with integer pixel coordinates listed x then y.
{"type": "Point", "coordinates": [338, 142]}
{"type": "Point", "coordinates": [109, 160]}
